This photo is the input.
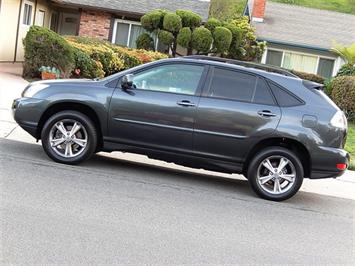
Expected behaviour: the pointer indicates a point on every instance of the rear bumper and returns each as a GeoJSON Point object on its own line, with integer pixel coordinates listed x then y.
{"type": "Point", "coordinates": [325, 160]}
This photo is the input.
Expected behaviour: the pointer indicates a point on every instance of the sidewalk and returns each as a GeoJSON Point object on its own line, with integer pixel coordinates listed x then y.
{"type": "Point", "coordinates": [12, 84]}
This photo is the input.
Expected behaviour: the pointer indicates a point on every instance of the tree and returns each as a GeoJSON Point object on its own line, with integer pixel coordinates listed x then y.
{"type": "Point", "coordinates": [144, 41]}
{"type": "Point", "coordinates": [201, 40]}
{"type": "Point", "coordinates": [222, 40]}
{"type": "Point", "coordinates": [347, 53]}
{"type": "Point", "coordinates": [244, 45]}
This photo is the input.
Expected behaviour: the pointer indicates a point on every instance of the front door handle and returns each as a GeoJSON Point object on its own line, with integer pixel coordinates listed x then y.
{"type": "Point", "coordinates": [266, 113]}
{"type": "Point", "coordinates": [186, 103]}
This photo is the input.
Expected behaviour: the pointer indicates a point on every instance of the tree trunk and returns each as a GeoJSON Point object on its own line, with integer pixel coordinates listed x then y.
{"type": "Point", "coordinates": [189, 51]}
{"type": "Point", "coordinates": [173, 48]}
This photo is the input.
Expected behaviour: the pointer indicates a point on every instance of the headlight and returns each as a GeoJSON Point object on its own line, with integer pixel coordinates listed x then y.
{"type": "Point", "coordinates": [31, 90]}
{"type": "Point", "coordinates": [339, 120]}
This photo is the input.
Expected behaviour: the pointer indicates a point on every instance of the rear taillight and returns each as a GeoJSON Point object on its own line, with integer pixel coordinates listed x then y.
{"type": "Point", "coordinates": [341, 166]}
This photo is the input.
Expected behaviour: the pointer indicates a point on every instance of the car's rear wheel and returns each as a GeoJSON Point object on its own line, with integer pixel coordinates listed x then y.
{"type": "Point", "coordinates": [275, 174]}
{"type": "Point", "coordinates": [69, 137]}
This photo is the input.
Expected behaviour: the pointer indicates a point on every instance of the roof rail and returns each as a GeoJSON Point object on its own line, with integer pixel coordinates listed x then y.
{"type": "Point", "coordinates": [243, 63]}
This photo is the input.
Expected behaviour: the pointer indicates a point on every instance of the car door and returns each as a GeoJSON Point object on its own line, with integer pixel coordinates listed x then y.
{"type": "Point", "coordinates": [236, 109]}
{"type": "Point", "coordinates": [159, 111]}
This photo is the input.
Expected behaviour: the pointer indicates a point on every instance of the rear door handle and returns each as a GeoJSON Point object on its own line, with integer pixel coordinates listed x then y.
{"type": "Point", "coordinates": [266, 113]}
{"type": "Point", "coordinates": [186, 103]}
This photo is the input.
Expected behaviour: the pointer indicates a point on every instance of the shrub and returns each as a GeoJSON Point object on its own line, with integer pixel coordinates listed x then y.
{"type": "Point", "coordinates": [212, 23]}
{"type": "Point", "coordinates": [343, 94]}
{"type": "Point", "coordinates": [172, 22]}
{"type": "Point", "coordinates": [201, 39]}
{"type": "Point", "coordinates": [222, 39]}
{"type": "Point", "coordinates": [89, 68]}
{"type": "Point", "coordinates": [184, 37]}
{"type": "Point", "coordinates": [346, 70]}
{"type": "Point", "coordinates": [166, 37]}
{"type": "Point", "coordinates": [144, 41]}
{"type": "Point", "coordinates": [153, 20]}
{"type": "Point", "coordinates": [189, 18]}
{"type": "Point", "coordinates": [45, 47]}
{"type": "Point", "coordinates": [309, 76]}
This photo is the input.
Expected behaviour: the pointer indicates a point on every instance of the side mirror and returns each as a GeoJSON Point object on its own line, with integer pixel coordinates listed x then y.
{"type": "Point", "coordinates": [127, 82]}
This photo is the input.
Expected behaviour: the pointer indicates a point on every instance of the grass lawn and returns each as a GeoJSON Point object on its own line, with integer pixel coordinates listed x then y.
{"type": "Point", "coordinates": [344, 6]}
{"type": "Point", "coordinates": [350, 145]}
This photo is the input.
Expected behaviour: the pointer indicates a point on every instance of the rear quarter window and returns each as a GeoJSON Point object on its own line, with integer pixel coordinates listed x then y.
{"type": "Point", "coordinates": [283, 97]}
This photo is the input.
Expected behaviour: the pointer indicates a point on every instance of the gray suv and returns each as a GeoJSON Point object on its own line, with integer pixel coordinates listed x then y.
{"type": "Point", "coordinates": [200, 112]}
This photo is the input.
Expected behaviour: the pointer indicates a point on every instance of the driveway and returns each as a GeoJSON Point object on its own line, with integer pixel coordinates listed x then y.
{"type": "Point", "coordinates": [127, 209]}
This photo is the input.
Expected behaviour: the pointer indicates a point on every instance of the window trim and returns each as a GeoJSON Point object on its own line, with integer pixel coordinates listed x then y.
{"type": "Point", "coordinates": [199, 88]}
{"type": "Point", "coordinates": [283, 51]}
{"type": "Point", "coordinates": [26, 2]}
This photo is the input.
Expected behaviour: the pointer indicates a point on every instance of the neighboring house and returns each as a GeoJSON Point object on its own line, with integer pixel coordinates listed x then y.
{"type": "Point", "coordinates": [113, 20]}
{"type": "Point", "coordinates": [301, 38]}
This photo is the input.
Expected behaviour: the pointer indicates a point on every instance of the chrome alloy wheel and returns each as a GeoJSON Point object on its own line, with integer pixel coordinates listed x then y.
{"type": "Point", "coordinates": [68, 138]}
{"type": "Point", "coordinates": [276, 175]}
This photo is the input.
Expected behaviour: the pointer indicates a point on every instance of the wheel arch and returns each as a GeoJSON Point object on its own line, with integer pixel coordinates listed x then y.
{"type": "Point", "coordinates": [72, 106]}
{"type": "Point", "coordinates": [288, 143]}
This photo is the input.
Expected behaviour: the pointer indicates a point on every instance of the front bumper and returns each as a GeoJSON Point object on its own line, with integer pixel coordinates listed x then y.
{"type": "Point", "coordinates": [325, 160]}
{"type": "Point", "coordinates": [27, 113]}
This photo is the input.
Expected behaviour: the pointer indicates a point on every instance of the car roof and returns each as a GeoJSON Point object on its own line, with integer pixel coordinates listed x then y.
{"type": "Point", "coordinates": [262, 69]}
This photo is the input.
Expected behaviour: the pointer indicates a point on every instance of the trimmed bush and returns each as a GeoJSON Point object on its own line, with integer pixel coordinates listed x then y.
{"type": "Point", "coordinates": [45, 47]}
{"type": "Point", "coordinates": [144, 41]}
{"type": "Point", "coordinates": [343, 94]}
{"type": "Point", "coordinates": [184, 37]}
{"type": "Point", "coordinates": [309, 76]}
{"type": "Point", "coordinates": [189, 18]}
{"type": "Point", "coordinates": [89, 68]}
{"type": "Point", "coordinates": [153, 20]}
{"type": "Point", "coordinates": [346, 70]}
{"type": "Point", "coordinates": [172, 22]}
{"type": "Point", "coordinates": [222, 39]}
{"type": "Point", "coordinates": [212, 23]}
{"type": "Point", "coordinates": [201, 40]}
{"type": "Point", "coordinates": [166, 37]}
{"type": "Point", "coordinates": [79, 56]}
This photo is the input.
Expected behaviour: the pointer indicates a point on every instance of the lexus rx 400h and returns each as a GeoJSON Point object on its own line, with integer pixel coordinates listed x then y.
{"type": "Point", "coordinates": [264, 123]}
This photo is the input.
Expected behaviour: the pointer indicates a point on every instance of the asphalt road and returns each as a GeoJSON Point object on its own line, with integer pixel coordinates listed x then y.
{"type": "Point", "coordinates": [111, 211]}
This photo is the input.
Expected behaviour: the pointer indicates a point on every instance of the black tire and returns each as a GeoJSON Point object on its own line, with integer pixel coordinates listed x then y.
{"type": "Point", "coordinates": [294, 168]}
{"type": "Point", "coordinates": [85, 122]}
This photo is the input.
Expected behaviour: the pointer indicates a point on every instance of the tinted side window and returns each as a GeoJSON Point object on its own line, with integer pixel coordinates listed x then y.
{"type": "Point", "coordinates": [262, 93]}
{"type": "Point", "coordinates": [283, 97]}
{"type": "Point", "coordinates": [232, 85]}
{"type": "Point", "coordinates": [177, 78]}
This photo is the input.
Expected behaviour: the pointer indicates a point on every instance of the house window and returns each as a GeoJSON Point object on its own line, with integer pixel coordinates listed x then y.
{"type": "Point", "coordinates": [40, 18]}
{"type": "Point", "coordinates": [325, 67]}
{"type": "Point", "coordinates": [301, 62]}
{"type": "Point", "coordinates": [126, 32]}
{"type": "Point", "coordinates": [274, 58]}
{"type": "Point", "coordinates": [27, 13]}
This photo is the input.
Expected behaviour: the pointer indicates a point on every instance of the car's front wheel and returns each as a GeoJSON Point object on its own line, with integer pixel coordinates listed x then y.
{"type": "Point", "coordinates": [275, 174]}
{"type": "Point", "coordinates": [69, 137]}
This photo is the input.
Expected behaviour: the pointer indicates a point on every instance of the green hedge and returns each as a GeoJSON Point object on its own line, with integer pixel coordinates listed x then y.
{"type": "Point", "coordinates": [309, 76]}
{"type": "Point", "coordinates": [343, 94]}
{"type": "Point", "coordinates": [44, 47]}
{"type": "Point", "coordinates": [79, 56]}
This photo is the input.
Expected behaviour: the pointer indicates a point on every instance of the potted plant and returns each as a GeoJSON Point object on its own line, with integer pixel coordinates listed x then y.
{"type": "Point", "coordinates": [49, 72]}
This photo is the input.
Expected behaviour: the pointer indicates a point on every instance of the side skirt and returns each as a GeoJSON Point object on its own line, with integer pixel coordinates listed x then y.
{"type": "Point", "coordinates": [178, 158]}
